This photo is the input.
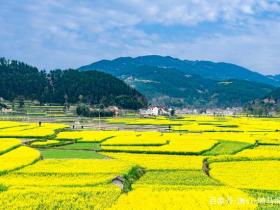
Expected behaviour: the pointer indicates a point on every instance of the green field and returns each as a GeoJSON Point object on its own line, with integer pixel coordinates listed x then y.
{"type": "Point", "coordinates": [81, 146]}
{"type": "Point", "coordinates": [228, 148]}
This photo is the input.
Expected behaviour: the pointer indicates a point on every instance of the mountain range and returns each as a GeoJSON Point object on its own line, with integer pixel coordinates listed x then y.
{"type": "Point", "coordinates": [171, 81]}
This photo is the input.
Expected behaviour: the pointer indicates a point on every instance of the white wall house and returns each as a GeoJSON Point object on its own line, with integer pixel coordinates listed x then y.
{"type": "Point", "coordinates": [153, 111]}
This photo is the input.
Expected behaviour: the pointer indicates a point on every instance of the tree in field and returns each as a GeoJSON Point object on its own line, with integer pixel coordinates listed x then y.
{"type": "Point", "coordinates": [21, 102]}
{"type": "Point", "coordinates": [81, 97]}
{"type": "Point", "coordinates": [66, 104]}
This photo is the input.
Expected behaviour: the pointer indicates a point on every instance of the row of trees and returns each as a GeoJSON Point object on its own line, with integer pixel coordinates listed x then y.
{"type": "Point", "coordinates": [100, 111]}
{"type": "Point", "coordinates": [19, 80]}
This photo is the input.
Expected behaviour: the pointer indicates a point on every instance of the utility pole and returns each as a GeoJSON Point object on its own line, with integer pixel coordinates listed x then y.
{"type": "Point", "coordinates": [99, 117]}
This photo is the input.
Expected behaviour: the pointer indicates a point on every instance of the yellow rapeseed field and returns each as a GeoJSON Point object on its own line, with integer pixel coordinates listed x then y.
{"type": "Point", "coordinates": [8, 144]}
{"type": "Point", "coordinates": [61, 198]}
{"type": "Point", "coordinates": [18, 158]}
{"type": "Point", "coordinates": [176, 145]}
{"type": "Point", "coordinates": [140, 138]}
{"type": "Point", "coordinates": [159, 162]}
{"type": "Point", "coordinates": [84, 136]}
{"type": "Point", "coordinates": [159, 197]}
{"type": "Point", "coordinates": [263, 175]}
{"type": "Point", "coordinates": [261, 152]}
{"type": "Point", "coordinates": [42, 180]}
{"type": "Point", "coordinates": [27, 130]}
{"type": "Point", "coordinates": [84, 166]}
{"type": "Point", "coordinates": [160, 170]}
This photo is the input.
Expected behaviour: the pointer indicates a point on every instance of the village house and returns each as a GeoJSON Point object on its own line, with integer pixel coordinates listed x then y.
{"type": "Point", "coordinates": [154, 111]}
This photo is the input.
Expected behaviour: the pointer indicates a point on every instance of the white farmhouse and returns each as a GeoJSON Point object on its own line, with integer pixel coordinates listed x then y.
{"type": "Point", "coordinates": [153, 111]}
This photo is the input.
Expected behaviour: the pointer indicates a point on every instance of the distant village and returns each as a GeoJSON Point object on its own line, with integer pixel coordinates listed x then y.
{"type": "Point", "coordinates": [146, 112]}
{"type": "Point", "coordinates": [164, 111]}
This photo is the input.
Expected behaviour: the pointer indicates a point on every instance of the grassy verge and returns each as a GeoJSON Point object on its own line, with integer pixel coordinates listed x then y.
{"type": "Point", "coordinates": [3, 188]}
{"type": "Point", "coordinates": [178, 177]}
{"type": "Point", "coordinates": [81, 146]}
{"type": "Point", "coordinates": [134, 174]}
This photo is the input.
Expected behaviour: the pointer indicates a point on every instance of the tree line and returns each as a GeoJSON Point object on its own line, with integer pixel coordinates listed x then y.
{"type": "Point", "coordinates": [19, 80]}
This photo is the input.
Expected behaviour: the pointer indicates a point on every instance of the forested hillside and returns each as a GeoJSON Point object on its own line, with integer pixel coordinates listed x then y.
{"type": "Point", "coordinates": [18, 79]}
{"type": "Point", "coordinates": [164, 85]}
{"type": "Point", "coordinates": [206, 69]}
{"type": "Point", "coordinates": [267, 105]}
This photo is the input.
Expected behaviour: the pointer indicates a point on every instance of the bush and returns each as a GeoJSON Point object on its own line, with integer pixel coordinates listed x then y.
{"type": "Point", "coordinates": [84, 110]}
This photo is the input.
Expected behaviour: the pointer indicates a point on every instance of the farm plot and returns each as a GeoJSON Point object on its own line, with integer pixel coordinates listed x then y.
{"type": "Point", "coordinates": [78, 166]}
{"type": "Point", "coordinates": [18, 158]}
{"type": "Point", "coordinates": [46, 198]}
{"type": "Point", "coordinates": [177, 178]}
{"type": "Point", "coordinates": [30, 130]}
{"type": "Point", "coordinates": [158, 197]}
{"type": "Point", "coordinates": [138, 139]}
{"type": "Point", "coordinates": [79, 174]}
{"type": "Point", "coordinates": [84, 136]}
{"type": "Point", "coordinates": [228, 124]}
{"type": "Point", "coordinates": [263, 151]}
{"type": "Point", "coordinates": [8, 144]}
{"type": "Point", "coordinates": [228, 148]}
{"type": "Point", "coordinates": [264, 175]}
{"type": "Point", "coordinates": [80, 146]}
{"type": "Point", "coordinates": [66, 173]}
{"type": "Point", "coordinates": [69, 154]}
{"type": "Point", "coordinates": [178, 145]}
{"type": "Point", "coordinates": [160, 162]}
{"type": "Point", "coordinates": [75, 184]}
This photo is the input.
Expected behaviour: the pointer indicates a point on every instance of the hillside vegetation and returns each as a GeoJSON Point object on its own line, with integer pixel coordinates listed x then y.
{"type": "Point", "coordinates": [19, 80]}
{"type": "Point", "coordinates": [173, 82]}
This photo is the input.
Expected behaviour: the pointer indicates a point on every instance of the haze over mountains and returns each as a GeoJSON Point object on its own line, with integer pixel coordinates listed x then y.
{"type": "Point", "coordinates": [171, 81]}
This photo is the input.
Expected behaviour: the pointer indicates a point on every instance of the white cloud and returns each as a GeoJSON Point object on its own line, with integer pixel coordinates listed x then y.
{"type": "Point", "coordinates": [195, 11]}
{"type": "Point", "coordinates": [70, 33]}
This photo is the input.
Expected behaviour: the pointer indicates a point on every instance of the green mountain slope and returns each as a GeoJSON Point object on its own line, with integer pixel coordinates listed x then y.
{"type": "Point", "coordinates": [206, 69]}
{"type": "Point", "coordinates": [172, 86]}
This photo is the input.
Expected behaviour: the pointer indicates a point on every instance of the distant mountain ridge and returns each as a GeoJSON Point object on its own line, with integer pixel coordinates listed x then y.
{"type": "Point", "coordinates": [175, 82]}
{"type": "Point", "coordinates": [275, 77]}
{"type": "Point", "coordinates": [206, 69]}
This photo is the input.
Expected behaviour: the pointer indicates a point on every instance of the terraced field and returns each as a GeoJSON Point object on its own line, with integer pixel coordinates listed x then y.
{"type": "Point", "coordinates": [201, 162]}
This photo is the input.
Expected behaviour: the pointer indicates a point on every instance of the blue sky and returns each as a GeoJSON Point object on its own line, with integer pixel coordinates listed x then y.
{"type": "Point", "coordinates": [70, 33]}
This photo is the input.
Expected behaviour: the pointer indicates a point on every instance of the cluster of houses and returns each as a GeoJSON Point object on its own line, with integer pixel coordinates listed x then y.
{"type": "Point", "coordinates": [227, 111]}
{"type": "Point", "coordinates": [159, 110]}
{"type": "Point", "coordinates": [155, 111]}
